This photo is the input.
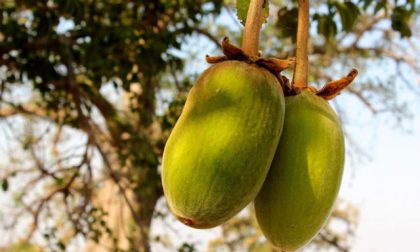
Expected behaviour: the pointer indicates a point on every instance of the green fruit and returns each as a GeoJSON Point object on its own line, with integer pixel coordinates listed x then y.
{"type": "Point", "coordinates": [305, 176]}
{"type": "Point", "coordinates": [220, 150]}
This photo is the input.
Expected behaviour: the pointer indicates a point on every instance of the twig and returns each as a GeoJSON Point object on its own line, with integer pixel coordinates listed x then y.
{"type": "Point", "coordinates": [300, 77]}
{"type": "Point", "coordinates": [333, 242]}
{"type": "Point", "coordinates": [173, 73]}
{"type": "Point", "coordinates": [251, 34]}
{"type": "Point", "coordinates": [363, 99]}
{"type": "Point", "coordinates": [208, 35]}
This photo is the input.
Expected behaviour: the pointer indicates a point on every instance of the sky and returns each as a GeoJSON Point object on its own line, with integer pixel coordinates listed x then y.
{"type": "Point", "coordinates": [387, 192]}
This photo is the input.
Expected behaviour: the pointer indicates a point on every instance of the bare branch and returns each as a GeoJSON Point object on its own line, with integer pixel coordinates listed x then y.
{"type": "Point", "coordinates": [208, 35]}
{"type": "Point", "coordinates": [363, 99]}
{"type": "Point", "coordinates": [333, 242]}
{"type": "Point", "coordinates": [25, 109]}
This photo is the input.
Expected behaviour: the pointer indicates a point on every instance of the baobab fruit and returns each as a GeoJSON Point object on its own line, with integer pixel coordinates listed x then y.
{"type": "Point", "coordinates": [220, 150]}
{"type": "Point", "coordinates": [305, 176]}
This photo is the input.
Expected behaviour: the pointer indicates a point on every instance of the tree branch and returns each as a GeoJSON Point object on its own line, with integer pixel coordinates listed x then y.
{"type": "Point", "coordinates": [208, 35]}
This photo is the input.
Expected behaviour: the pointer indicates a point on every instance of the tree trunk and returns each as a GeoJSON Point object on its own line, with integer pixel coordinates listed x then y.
{"type": "Point", "coordinates": [126, 233]}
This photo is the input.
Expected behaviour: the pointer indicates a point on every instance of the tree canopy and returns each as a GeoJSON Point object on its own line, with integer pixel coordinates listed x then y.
{"type": "Point", "coordinates": [91, 89]}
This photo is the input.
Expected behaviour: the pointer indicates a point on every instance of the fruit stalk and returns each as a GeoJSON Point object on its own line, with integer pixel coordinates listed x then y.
{"type": "Point", "coordinates": [251, 34]}
{"type": "Point", "coordinates": [300, 77]}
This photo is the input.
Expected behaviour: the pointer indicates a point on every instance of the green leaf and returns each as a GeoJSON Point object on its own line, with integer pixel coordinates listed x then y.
{"type": "Point", "coordinates": [367, 4]}
{"type": "Point", "coordinates": [61, 246]}
{"type": "Point", "coordinates": [242, 10]}
{"type": "Point", "coordinates": [287, 22]}
{"type": "Point", "coordinates": [326, 25]}
{"type": "Point", "coordinates": [59, 181]}
{"type": "Point", "coordinates": [186, 247]}
{"type": "Point", "coordinates": [380, 5]}
{"type": "Point", "coordinates": [400, 21]}
{"type": "Point", "coordinates": [349, 13]}
{"type": "Point", "coordinates": [5, 184]}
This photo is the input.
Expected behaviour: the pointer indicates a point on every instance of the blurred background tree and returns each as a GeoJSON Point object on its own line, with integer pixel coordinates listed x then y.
{"type": "Point", "coordinates": [89, 91]}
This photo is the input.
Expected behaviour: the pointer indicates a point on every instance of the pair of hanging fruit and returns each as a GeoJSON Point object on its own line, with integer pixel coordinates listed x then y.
{"type": "Point", "coordinates": [239, 139]}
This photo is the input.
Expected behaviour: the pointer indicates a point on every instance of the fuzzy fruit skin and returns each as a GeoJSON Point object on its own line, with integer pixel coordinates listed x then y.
{"type": "Point", "coordinates": [220, 150]}
{"type": "Point", "coordinates": [305, 176]}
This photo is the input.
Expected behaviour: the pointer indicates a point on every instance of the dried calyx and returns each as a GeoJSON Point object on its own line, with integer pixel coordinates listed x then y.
{"type": "Point", "coordinates": [276, 66]}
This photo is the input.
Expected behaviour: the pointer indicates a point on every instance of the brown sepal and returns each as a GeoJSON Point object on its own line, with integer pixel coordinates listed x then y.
{"type": "Point", "coordinates": [333, 88]}
{"type": "Point", "coordinates": [275, 65]}
{"type": "Point", "coordinates": [215, 59]}
{"type": "Point", "coordinates": [232, 52]}
{"type": "Point", "coordinates": [285, 84]}
{"type": "Point", "coordinates": [312, 89]}
{"type": "Point", "coordinates": [272, 64]}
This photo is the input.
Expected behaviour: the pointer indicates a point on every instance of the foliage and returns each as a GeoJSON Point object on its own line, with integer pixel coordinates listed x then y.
{"type": "Point", "coordinates": [68, 51]}
{"type": "Point", "coordinates": [242, 10]}
{"type": "Point", "coordinates": [81, 87]}
{"type": "Point", "coordinates": [347, 12]}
